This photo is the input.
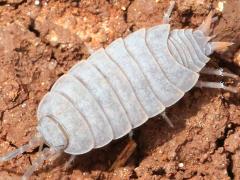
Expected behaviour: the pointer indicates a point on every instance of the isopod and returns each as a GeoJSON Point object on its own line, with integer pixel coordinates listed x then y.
{"type": "Point", "coordinates": [120, 87]}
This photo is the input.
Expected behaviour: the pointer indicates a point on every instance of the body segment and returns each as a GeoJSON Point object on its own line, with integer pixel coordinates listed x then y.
{"type": "Point", "coordinates": [120, 85]}
{"type": "Point", "coordinates": [183, 78]}
{"type": "Point", "coordinates": [84, 102]}
{"type": "Point", "coordinates": [166, 92]}
{"type": "Point", "coordinates": [104, 94]}
{"type": "Point", "coordinates": [136, 77]}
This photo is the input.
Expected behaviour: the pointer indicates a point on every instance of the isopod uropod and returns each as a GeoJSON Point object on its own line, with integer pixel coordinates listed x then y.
{"type": "Point", "coordinates": [118, 88]}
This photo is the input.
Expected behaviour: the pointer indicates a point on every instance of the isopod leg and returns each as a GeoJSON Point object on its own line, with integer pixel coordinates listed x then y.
{"type": "Point", "coordinates": [68, 164]}
{"type": "Point", "coordinates": [40, 148]}
{"type": "Point", "coordinates": [130, 134]}
{"type": "Point", "coordinates": [34, 142]}
{"type": "Point", "coordinates": [166, 16]}
{"type": "Point", "coordinates": [166, 118]}
{"type": "Point", "coordinates": [216, 85]}
{"type": "Point", "coordinates": [124, 155]}
{"type": "Point", "coordinates": [45, 154]}
{"type": "Point", "coordinates": [219, 72]}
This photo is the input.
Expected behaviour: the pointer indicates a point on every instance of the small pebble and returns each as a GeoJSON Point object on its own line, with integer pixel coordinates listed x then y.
{"type": "Point", "coordinates": [74, 4]}
{"type": "Point", "coordinates": [37, 2]}
{"type": "Point", "coordinates": [24, 105]}
{"type": "Point", "coordinates": [180, 165]}
{"type": "Point", "coordinates": [52, 65]}
{"type": "Point", "coordinates": [220, 6]}
{"type": "Point", "coordinates": [123, 8]}
{"type": "Point", "coordinates": [229, 125]}
{"type": "Point", "coordinates": [221, 150]}
{"type": "Point", "coordinates": [204, 158]}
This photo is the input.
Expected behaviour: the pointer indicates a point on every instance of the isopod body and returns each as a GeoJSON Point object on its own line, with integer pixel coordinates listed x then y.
{"type": "Point", "coordinates": [120, 87]}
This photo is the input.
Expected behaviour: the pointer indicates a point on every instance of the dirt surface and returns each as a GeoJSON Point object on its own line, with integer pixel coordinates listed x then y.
{"type": "Point", "coordinates": [38, 43]}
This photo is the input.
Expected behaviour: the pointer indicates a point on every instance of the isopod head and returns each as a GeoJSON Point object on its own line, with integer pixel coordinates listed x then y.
{"type": "Point", "coordinates": [52, 132]}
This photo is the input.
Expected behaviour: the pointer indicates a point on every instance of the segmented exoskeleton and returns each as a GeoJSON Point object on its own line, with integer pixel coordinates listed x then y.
{"type": "Point", "coordinates": [120, 87]}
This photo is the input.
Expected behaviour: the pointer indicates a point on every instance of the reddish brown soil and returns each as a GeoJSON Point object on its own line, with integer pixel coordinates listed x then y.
{"type": "Point", "coordinates": [40, 43]}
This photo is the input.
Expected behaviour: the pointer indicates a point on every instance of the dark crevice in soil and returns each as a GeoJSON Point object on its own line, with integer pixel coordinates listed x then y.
{"type": "Point", "coordinates": [125, 15]}
{"type": "Point", "coordinates": [17, 4]}
{"type": "Point", "coordinates": [30, 160]}
{"type": "Point", "coordinates": [230, 166]}
{"type": "Point", "coordinates": [134, 175]}
{"type": "Point", "coordinates": [2, 3]}
{"type": "Point", "coordinates": [230, 128]}
{"type": "Point", "coordinates": [13, 145]}
{"type": "Point", "coordinates": [138, 153]}
{"type": "Point", "coordinates": [220, 141]}
{"type": "Point", "coordinates": [131, 28]}
{"type": "Point", "coordinates": [186, 17]}
{"type": "Point", "coordinates": [223, 62]}
{"type": "Point", "coordinates": [1, 115]}
{"type": "Point", "coordinates": [159, 172]}
{"type": "Point", "coordinates": [31, 28]}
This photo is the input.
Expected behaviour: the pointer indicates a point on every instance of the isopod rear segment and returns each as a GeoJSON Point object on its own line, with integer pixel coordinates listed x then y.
{"type": "Point", "coordinates": [120, 87]}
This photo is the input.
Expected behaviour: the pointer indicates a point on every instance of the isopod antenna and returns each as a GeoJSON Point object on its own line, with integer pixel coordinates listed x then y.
{"type": "Point", "coordinates": [44, 155]}
{"type": "Point", "coordinates": [36, 141]}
